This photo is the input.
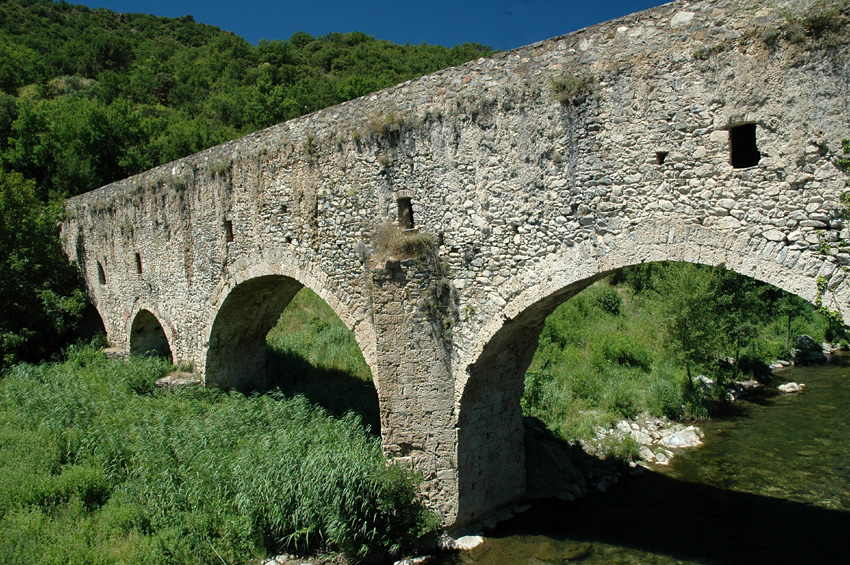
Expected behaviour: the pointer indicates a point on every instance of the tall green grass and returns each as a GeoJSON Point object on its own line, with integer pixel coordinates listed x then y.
{"type": "Point", "coordinates": [313, 354]}
{"type": "Point", "coordinates": [97, 467]}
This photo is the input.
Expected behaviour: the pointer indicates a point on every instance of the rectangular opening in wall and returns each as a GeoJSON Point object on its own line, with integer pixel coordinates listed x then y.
{"type": "Point", "coordinates": [405, 213]}
{"type": "Point", "coordinates": [660, 157]}
{"type": "Point", "coordinates": [139, 263]}
{"type": "Point", "coordinates": [742, 146]}
{"type": "Point", "coordinates": [101, 275]}
{"type": "Point", "coordinates": [228, 231]}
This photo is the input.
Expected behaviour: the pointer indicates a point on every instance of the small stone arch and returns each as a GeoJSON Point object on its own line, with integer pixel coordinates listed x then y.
{"type": "Point", "coordinates": [147, 336]}
{"type": "Point", "coordinates": [489, 383]}
{"type": "Point", "coordinates": [247, 306]}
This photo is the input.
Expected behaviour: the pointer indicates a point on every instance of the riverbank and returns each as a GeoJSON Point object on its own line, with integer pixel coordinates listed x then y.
{"type": "Point", "coordinates": [769, 484]}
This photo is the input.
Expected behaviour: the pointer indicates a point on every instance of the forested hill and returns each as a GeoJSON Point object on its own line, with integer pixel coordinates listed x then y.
{"type": "Point", "coordinates": [92, 96]}
{"type": "Point", "coordinates": [88, 97]}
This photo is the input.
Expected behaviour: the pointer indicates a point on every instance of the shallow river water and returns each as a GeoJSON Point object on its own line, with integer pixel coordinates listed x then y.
{"type": "Point", "coordinates": [771, 484]}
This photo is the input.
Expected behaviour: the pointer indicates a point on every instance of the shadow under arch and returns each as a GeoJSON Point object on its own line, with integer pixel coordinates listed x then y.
{"type": "Point", "coordinates": [491, 458]}
{"type": "Point", "coordinates": [491, 448]}
{"type": "Point", "coordinates": [147, 337]}
{"type": "Point", "coordinates": [90, 324]}
{"type": "Point", "coordinates": [237, 356]}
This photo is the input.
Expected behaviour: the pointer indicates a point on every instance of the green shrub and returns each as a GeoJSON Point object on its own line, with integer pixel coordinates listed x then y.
{"type": "Point", "coordinates": [619, 349]}
{"type": "Point", "coordinates": [664, 395]}
{"type": "Point", "coordinates": [608, 300]}
{"type": "Point", "coordinates": [622, 397]}
{"type": "Point", "coordinates": [572, 88]}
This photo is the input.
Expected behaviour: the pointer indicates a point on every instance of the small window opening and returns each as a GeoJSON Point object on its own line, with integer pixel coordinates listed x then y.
{"type": "Point", "coordinates": [101, 275]}
{"type": "Point", "coordinates": [405, 214]}
{"type": "Point", "coordinates": [742, 146]}
{"type": "Point", "coordinates": [228, 231]}
{"type": "Point", "coordinates": [660, 157]}
{"type": "Point", "coordinates": [139, 263]}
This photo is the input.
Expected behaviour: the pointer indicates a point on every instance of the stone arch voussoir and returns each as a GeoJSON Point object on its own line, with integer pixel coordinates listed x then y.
{"type": "Point", "coordinates": [565, 274]}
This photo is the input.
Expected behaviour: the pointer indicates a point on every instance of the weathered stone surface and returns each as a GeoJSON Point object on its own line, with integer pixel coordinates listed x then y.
{"type": "Point", "coordinates": [529, 199]}
{"type": "Point", "coordinates": [689, 437]}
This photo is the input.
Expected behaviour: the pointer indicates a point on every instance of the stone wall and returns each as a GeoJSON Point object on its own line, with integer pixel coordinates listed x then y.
{"type": "Point", "coordinates": [534, 187]}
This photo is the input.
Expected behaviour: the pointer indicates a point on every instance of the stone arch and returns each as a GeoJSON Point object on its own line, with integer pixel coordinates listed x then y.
{"type": "Point", "coordinates": [247, 305]}
{"type": "Point", "coordinates": [148, 337]}
{"type": "Point", "coordinates": [489, 383]}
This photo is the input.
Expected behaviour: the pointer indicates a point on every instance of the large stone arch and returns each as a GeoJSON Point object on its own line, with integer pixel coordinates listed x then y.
{"type": "Point", "coordinates": [248, 303]}
{"type": "Point", "coordinates": [489, 383]}
{"type": "Point", "coordinates": [148, 335]}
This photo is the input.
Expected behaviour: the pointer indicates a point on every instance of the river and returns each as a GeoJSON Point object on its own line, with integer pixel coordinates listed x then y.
{"type": "Point", "coordinates": [771, 484]}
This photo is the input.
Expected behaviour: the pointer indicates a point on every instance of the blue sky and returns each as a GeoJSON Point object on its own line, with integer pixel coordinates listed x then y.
{"type": "Point", "coordinates": [502, 24]}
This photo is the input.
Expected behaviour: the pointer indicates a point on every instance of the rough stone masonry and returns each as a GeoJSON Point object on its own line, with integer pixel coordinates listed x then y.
{"type": "Point", "coordinates": [706, 131]}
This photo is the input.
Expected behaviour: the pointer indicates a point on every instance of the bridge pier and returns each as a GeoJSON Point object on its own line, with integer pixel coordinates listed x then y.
{"type": "Point", "coordinates": [414, 382]}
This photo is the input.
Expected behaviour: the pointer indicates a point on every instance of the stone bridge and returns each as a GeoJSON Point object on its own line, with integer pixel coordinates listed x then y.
{"type": "Point", "coordinates": [701, 131]}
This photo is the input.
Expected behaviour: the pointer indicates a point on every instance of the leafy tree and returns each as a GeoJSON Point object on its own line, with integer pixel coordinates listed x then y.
{"type": "Point", "coordinates": [694, 324]}
{"type": "Point", "coordinates": [39, 296]}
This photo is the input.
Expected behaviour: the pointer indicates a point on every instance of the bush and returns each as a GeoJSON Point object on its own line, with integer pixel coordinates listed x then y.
{"type": "Point", "coordinates": [39, 298]}
{"type": "Point", "coordinates": [608, 300]}
{"type": "Point", "coordinates": [664, 394]}
{"type": "Point", "coordinates": [619, 349]}
{"type": "Point", "coordinates": [572, 88]}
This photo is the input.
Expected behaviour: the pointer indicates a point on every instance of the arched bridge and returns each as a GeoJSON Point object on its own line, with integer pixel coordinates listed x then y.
{"type": "Point", "coordinates": [697, 131]}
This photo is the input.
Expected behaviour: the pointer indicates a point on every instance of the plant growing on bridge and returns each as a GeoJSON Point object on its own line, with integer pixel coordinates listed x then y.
{"type": "Point", "coordinates": [843, 162]}
{"type": "Point", "coordinates": [572, 88]}
{"type": "Point", "coordinates": [822, 19]}
{"type": "Point", "coordinates": [389, 125]}
{"type": "Point", "coordinates": [392, 242]}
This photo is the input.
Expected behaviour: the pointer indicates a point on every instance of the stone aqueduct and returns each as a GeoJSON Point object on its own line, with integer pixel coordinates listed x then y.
{"type": "Point", "coordinates": [701, 136]}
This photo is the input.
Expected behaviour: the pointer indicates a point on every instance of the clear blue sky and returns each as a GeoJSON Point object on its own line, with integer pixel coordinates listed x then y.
{"type": "Point", "coordinates": [501, 24]}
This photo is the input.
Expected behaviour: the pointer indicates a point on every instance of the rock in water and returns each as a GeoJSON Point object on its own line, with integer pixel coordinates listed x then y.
{"type": "Point", "coordinates": [791, 387]}
{"type": "Point", "coordinates": [466, 543]}
{"type": "Point", "coordinates": [689, 437]}
{"type": "Point", "coordinates": [807, 351]}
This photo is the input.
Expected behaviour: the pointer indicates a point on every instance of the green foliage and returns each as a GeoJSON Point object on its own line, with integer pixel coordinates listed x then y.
{"type": "Point", "coordinates": [692, 318]}
{"type": "Point", "coordinates": [625, 345]}
{"type": "Point", "coordinates": [572, 88]}
{"type": "Point", "coordinates": [39, 297]}
{"type": "Point", "coordinates": [96, 472]}
{"type": "Point", "coordinates": [608, 300]}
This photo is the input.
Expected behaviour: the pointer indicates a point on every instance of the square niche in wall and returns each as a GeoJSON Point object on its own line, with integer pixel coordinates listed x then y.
{"type": "Point", "coordinates": [743, 150]}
